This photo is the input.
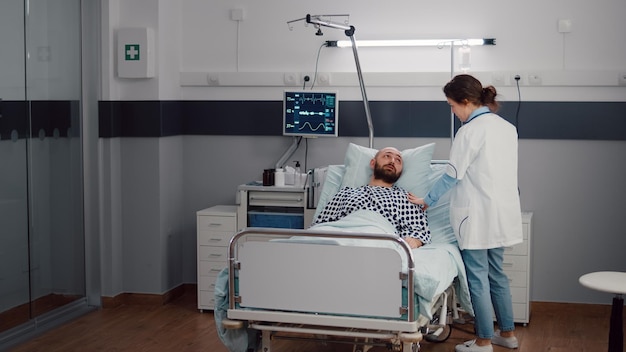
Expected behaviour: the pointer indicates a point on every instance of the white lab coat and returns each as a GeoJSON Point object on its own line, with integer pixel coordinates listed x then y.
{"type": "Point", "coordinates": [484, 205]}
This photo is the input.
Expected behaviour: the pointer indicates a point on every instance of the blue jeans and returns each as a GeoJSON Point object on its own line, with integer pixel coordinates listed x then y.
{"type": "Point", "coordinates": [488, 285]}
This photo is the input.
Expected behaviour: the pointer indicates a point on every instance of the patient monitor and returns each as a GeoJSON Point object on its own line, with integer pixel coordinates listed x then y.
{"type": "Point", "coordinates": [310, 114]}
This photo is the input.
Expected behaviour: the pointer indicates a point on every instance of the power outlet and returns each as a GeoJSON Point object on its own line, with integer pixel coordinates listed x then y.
{"type": "Point", "coordinates": [516, 79]}
{"type": "Point", "coordinates": [213, 79]}
{"type": "Point", "coordinates": [534, 79]}
{"type": "Point", "coordinates": [621, 79]}
{"type": "Point", "coordinates": [323, 79]}
{"type": "Point", "coordinates": [236, 14]}
{"type": "Point", "coordinates": [497, 79]}
{"type": "Point", "coordinates": [290, 79]}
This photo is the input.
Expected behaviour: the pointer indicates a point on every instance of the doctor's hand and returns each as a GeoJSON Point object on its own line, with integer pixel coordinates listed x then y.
{"type": "Point", "coordinates": [418, 201]}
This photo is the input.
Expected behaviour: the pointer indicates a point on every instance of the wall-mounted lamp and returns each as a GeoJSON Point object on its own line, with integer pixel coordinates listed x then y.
{"type": "Point", "coordinates": [413, 42]}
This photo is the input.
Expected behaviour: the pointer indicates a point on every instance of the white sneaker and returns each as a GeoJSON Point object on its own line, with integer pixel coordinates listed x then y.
{"type": "Point", "coordinates": [471, 346]}
{"type": "Point", "coordinates": [508, 342]}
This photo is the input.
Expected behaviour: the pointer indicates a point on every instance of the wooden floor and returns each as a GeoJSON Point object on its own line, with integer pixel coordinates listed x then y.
{"type": "Point", "coordinates": [180, 327]}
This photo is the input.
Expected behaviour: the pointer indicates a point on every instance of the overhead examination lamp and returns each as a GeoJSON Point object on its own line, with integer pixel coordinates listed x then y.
{"type": "Point", "coordinates": [464, 45]}
{"type": "Point", "coordinates": [414, 42]}
{"type": "Point", "coordinates": [319, 21]}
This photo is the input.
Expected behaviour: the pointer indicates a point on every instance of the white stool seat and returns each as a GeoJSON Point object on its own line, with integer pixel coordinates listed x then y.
{"type": "Point", "coordinates": [605, 281]}
{"type": "Point", "coordinates": [612, 282]}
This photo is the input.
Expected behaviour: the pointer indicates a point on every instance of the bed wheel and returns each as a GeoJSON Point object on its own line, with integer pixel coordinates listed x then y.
{"type": "Point", "coordinates": [441, 334]}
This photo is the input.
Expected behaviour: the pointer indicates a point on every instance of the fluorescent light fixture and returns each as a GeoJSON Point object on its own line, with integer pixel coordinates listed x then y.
{"type": "Point", "coordinates": [413, 42]}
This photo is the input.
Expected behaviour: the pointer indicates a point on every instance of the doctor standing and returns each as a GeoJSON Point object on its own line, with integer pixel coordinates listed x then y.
{"type": "Point", "coordinates": [485, 208]}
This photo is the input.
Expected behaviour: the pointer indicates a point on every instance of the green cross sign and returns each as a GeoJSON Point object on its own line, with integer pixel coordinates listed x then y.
{"type": "Point", "coordinates": [131, 52]}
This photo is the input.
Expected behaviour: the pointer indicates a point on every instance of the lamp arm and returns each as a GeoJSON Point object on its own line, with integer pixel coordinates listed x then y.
{"type": "Point", "coordinates": [349, 31]}
{"type": "Point", "coordinates": [366, 103]}
{"type": "Point", "coordinates": [315, 19]}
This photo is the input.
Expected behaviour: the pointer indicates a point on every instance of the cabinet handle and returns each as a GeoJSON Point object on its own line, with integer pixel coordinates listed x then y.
{"type": "Point", "coordinates": [215, 239]}
{"type": "Point", "coordinates": [507, 264]}
{"type": "Point", "coordinates": [299, 199]}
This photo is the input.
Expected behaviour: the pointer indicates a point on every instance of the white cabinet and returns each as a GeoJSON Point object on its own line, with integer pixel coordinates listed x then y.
{"type": "Point", "coordinates": [516, 264]}
{"type": "Point", "coordinates": [215, 227]}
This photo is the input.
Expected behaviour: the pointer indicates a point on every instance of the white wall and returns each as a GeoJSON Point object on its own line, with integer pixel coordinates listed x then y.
{"type": "Point", "coordinates": [528, 42]}
{"type": "Point", "coordinates": [573, 187]}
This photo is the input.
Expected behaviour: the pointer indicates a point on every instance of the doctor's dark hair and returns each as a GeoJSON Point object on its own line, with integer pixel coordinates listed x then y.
{"type": "Point", "coordinates": [467, 89]}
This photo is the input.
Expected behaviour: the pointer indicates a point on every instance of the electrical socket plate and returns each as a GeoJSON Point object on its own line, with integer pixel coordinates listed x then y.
{"type": "Point", "coordinates": [213, 79]}
{"type": "Point", "coordinates": [290, 79]}
{"type": "Point", "coordinates": [621, 79]}
{"type": "Point", "coordinates": [236, 14]}
{"type": "Point", "coordinates": [497, 79]}
{"type": "Point", "coordinates": [534, 79]}
{"type": "Point", "coordinates": [514, 82]}
{"type": "Point", "coordinates": [323, 79]}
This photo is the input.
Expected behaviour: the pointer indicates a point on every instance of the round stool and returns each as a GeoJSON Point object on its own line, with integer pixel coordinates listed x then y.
{"type": "Point", "coordinates": [612, 282]}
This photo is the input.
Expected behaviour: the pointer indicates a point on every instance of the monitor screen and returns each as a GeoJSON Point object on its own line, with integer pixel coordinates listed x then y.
{"type": "Point", "coordinates": [310, 114]}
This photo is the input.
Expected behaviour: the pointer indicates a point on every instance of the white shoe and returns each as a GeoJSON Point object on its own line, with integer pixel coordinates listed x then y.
{"type": "Point", "coordinates": [508, 342]}
{"type": "Point", "coordinates": [471, 346]}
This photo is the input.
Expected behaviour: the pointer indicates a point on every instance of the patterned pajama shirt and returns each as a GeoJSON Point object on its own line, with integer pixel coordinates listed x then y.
{"type": "Point", "coordinates": [408, 219]}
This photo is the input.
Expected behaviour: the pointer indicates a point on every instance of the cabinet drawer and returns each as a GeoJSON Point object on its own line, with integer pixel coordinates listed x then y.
{"type": "Point", "coordinates": [215, 238]}
{"type": "Point", "coordinates": [520, 312]}
{"type": "Point", "coordinates": [214, 254]}
{"type": "Point", "coordinates": [217, 223]}
{"type": "Point", "coordinates": [515, 263]}
{"type": "Point", "coordinates": [518, 249]}
{"type": "Point", "coordinates": [276, 199]}
{"type": "Point", "coordinates": [517, 278]}
{"type": "Point", "coordinates": [519, 294]}
{"type": "Point", "coordinates": [207, 283]}
{"type": "Point", "coordinates": [211, 268]}
{"type": "Point", "coordinates": [206, 300]}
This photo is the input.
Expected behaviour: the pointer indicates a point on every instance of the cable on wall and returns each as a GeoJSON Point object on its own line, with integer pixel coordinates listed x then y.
{"type": "Point", "coordinates": [519, 101]}
{"type": "Point", "coordinates": [317, 60]}
{"type": "Point", "coordinates": [237, 48]}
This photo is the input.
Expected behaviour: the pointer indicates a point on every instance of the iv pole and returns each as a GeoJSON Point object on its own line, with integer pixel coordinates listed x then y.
{"type": "Point", "coordinates": [349, 31]}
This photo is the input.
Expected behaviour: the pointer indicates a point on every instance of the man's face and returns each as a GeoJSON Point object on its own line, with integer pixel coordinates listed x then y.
{"type": "Point", "coordinates": [388, 165]}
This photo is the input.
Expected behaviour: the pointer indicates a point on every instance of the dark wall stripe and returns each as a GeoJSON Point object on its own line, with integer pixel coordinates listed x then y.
{"type": "Point", "coordinates": [248, 118]}
{"type": "Point", "coordinates": [536, 120]}
{"type": "Point", "coordinates": [39, 115]}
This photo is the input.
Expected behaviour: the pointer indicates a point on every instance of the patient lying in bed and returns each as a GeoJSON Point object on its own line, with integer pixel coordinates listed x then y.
{"type": "Point", "coordinates": [383, 197]}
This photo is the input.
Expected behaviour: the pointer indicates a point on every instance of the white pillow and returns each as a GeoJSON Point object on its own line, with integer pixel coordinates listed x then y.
{"type": "Point", "coordinates": [415, 171]}
{"type": "Point", "coordinates": [332, 184]}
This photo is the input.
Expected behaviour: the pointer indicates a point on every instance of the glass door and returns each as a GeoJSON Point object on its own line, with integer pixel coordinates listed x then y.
{"type": "Point", "coordinates": [14, 263]}
{"type": "Point", "coordinates": [42, 266]}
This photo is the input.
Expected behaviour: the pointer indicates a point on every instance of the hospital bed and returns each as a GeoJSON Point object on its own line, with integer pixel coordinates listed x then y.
{"type": "Point", "coordinates": [352, 281]}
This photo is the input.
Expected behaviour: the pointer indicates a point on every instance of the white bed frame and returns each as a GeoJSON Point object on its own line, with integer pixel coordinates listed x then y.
{"type": "Point", "coordinates": [307, 289]}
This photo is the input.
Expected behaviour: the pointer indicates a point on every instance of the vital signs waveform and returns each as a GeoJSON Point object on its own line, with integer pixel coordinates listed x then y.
{"type": "Point", "coordinates": [311, 113]}
{"type": "Point", "coordinates": [313, 99]}
{"type": "Point", "coordinates": [314, 129]}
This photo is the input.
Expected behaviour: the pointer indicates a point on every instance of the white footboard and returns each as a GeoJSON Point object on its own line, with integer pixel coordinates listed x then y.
{"type": "Point", "coordinates": [333, 285]}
